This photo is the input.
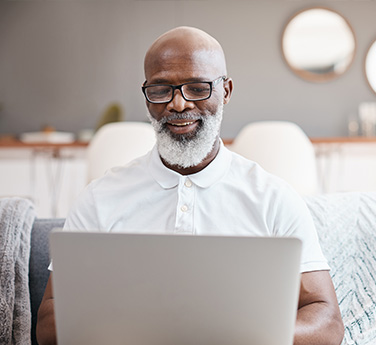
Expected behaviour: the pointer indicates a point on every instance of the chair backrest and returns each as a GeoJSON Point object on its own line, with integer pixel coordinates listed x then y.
{"type": "Point", "coordinates": [283, 149]}
{"type": "Point", "coordinates": [116, 144]}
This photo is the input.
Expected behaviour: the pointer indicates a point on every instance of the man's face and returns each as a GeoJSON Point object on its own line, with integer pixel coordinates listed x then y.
{"type": "Point", "coordinates": [186, 130]}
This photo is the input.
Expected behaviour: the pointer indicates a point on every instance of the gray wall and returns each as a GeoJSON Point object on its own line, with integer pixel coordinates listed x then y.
{"type": "Point", "coordinates": [62, 62]}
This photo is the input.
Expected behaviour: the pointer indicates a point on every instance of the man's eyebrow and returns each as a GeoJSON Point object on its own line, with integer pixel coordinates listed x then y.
{"type": "Point", "coordinates": [158, 81]}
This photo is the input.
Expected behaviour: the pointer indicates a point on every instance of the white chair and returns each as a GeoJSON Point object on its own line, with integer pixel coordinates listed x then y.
{"type": "Point", "coordinates": [283, 149]}
{"type": "Point", "coordinates": [116, 144]}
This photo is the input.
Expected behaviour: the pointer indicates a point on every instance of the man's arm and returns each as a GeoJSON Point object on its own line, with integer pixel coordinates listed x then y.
{"type": "Point", "coordinates": [319, 319]}
{"type": "Point", "coordinates": [46, 329]}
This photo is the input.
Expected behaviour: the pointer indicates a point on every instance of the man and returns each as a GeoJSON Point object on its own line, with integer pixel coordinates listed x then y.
{"type": "Point", "coordinates": [191, 184]}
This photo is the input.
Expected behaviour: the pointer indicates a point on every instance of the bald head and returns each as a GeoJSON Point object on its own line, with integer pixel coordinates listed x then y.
{"type": "Point", "coordinates": [184, 44]}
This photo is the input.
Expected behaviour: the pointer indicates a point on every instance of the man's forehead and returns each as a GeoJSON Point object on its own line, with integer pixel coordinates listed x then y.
{"type": "Point", "coordinates": [190, 57]}
{"type": "Point", "coordinates": [177, 50]}
{"type": "Point", "coordinates": [189, 63]}
{"type": "Point", "coordinates": [196, 65]}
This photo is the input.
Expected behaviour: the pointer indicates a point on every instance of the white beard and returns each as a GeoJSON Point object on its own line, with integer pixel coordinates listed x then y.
{"type": "Point", "coordinates": [187, 151]}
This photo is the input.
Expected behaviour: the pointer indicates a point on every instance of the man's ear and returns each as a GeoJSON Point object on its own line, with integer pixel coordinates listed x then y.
{"type": "Point", "coordinates": [227, 86]}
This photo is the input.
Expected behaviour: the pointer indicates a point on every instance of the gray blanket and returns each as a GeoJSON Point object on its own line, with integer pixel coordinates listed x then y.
{"type": "Point", "coordinates": [16, 219]}
{"type": "Point", "coordinates": [346, 225]}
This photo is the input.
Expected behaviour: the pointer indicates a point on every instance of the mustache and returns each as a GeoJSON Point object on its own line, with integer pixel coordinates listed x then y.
{"type": "Point", "coordinates": [180, 116]}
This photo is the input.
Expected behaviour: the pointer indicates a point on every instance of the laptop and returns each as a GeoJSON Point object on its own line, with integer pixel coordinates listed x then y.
{"type": "Point", "coordinates": [119, 288]}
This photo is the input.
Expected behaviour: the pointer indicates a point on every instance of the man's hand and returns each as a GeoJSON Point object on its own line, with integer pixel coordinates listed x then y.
{"type": "Point", "coordinates": [319, 319]}
{"type": "Point", "coordinates": [46, 329]}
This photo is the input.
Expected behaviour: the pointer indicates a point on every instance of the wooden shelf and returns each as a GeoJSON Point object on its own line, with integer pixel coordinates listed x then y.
{"type": "Point", "coordinates": [329, 140]}
{"type": "Point", "coordinates": [343, 140]}
{"type": "Point", "coordinates": [10, 144]}
{"type": "Point", "coordinates": [6, 143]}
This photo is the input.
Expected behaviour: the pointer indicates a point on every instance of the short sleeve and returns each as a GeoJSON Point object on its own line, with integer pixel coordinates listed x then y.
{"type": "Point", "coordinates": [83, 215]}
{"type": "Point", "coordinates": [293, 218]}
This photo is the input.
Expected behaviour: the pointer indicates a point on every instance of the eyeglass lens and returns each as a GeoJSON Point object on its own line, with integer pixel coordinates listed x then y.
{"type": "Point", "coordinates": [192, 92]}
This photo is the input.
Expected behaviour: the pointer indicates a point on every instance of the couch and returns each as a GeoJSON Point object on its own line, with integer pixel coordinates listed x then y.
{"type": "Point", "coordinates": [39, 261]}
{"type": "Point", "coordinates": [345, 224]}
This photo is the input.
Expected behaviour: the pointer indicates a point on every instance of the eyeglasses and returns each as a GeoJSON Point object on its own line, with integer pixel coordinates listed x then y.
{"type": "Point", "coordinates": [192, 91]}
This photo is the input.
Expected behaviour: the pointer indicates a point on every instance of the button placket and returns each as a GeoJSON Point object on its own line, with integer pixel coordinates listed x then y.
{"type": "Point", "coordinates": [184, 211]}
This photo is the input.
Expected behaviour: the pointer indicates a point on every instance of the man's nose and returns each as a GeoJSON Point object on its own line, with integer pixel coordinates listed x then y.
{"type": "Point", "coordinates": [179, 104]}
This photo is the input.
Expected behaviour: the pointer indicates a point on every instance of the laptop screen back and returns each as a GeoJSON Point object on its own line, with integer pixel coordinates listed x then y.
{"type": "Point", "coordinates": [174, 290]}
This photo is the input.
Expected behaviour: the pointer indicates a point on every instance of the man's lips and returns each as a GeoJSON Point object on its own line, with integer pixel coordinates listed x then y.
{"type": "Point", "coordinates": [182, 126]}
{"type": "Point", "coordinates": [181, 123]}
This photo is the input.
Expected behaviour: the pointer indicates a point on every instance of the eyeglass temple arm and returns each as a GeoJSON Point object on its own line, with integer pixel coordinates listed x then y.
{"type": "Point", "coordinates": [217, 81]}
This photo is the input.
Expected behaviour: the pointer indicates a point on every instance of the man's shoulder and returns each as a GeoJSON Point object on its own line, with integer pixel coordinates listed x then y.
{"type": "Point", "coordinates": [250, 175]}
{"type": "Point", "coordinates": [250, 168]}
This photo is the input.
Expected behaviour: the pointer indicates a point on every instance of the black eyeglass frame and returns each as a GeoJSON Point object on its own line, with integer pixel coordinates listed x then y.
{"type": "Point", "coordinates": [212, 85]}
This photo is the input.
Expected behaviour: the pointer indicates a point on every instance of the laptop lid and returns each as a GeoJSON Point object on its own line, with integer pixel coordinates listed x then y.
{"type": "Point", "coordinates": [174, 290]}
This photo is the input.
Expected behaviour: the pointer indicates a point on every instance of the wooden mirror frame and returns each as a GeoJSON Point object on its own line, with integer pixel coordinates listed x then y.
{"type": "Point", "coordinates": [306, 74]}
{"type": "Point", "coordinates": [371, 48]}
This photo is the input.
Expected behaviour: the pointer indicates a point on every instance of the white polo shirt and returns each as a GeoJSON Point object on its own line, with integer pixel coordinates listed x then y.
{"type": "Point", "coordinates": [231, 196]}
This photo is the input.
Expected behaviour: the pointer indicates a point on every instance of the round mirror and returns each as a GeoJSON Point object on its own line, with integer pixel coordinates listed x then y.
{"type": "Point", "coordinates": [318, 44]}
{"type": "Point", "coordinates": [370, 66]}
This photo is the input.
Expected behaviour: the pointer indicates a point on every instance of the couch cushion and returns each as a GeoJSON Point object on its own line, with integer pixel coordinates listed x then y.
{"type": "Point", "coordinates": [38, 265]}
{"type": "Point", "coordinates": [345, 223]}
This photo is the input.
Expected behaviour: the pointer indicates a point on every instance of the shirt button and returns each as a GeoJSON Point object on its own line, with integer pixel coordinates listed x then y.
{"type": "Point", "coordinates": [188, 183]}
{"type": "Point", "coordinates": [184, 208]}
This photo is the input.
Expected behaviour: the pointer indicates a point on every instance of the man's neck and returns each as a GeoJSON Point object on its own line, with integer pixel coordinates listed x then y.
{"type": "Point", "coordinates": [195, 169]}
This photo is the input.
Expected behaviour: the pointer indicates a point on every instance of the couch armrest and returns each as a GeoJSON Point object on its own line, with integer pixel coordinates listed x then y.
{"type": "Point", "coordinates": [38, 265]}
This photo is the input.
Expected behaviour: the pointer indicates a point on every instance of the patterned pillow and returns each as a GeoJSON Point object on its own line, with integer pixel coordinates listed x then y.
{"type": "Point", "coordinates": [345, 224]}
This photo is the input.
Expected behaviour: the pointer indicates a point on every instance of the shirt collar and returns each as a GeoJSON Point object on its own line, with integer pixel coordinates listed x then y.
{"type": "Point", "coordinates": [168, 178]}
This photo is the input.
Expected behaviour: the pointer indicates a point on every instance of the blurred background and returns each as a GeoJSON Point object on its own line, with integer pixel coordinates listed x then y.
{"type": "Point", "coordinates": [69, 66]}
{"type": "Point", "coordinates": [62, 62]}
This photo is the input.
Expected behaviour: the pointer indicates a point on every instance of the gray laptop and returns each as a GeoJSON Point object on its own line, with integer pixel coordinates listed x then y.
{"type": "Point", "coordinates": [174, 290]}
